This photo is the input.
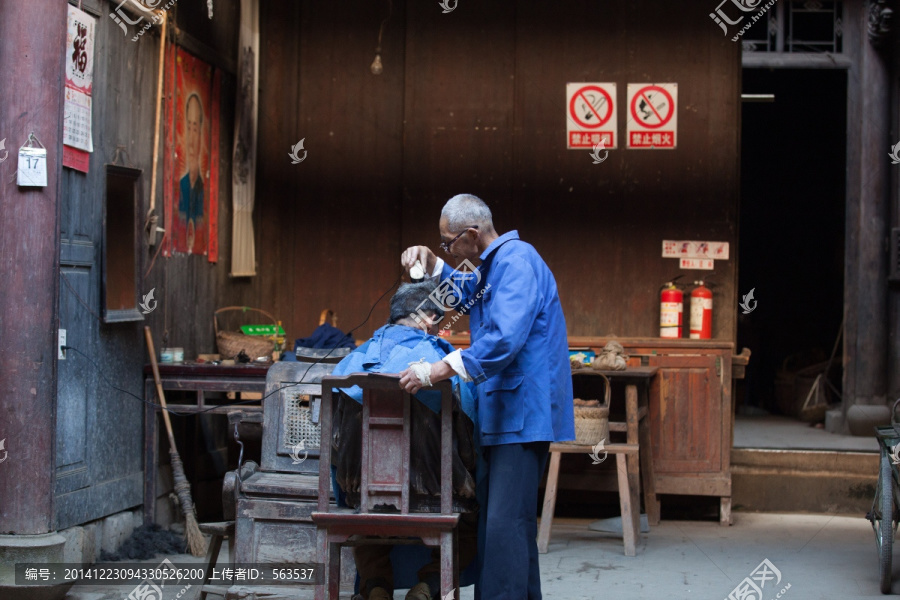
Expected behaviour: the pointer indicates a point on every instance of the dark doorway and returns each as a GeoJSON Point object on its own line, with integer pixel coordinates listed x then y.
{"type": "Point", "coordinates": [793, 163]}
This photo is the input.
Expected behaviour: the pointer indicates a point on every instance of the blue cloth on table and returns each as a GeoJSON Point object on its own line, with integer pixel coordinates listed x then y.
{"type": "Point", "coordinates": [326, 336]}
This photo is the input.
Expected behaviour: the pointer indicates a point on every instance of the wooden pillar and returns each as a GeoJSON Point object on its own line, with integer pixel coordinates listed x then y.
{"type": "Point", "coordinates": [868, 144]}
{"type": "Point", "coordinates": [32, 65]}
{"type": "Point", "coordinates": [894, 290]}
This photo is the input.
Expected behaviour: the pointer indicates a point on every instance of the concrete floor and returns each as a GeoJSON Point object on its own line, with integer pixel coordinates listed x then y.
{"type": "Point", "coordinates": [820, 556]}
{"type": "Point", "coordinates": [784, 433]}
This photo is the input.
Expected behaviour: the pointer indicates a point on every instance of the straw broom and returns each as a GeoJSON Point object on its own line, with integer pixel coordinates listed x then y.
{"type": "Point", "coordinates": [195, 539]}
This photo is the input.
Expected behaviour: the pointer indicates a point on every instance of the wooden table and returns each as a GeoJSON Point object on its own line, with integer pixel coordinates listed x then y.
{"type": "Point", "coordinates": [691, 412]}
{"type": "Point", "coordinates": [635, 454]}
{"type": "Point", "coordinates": [198, 378]}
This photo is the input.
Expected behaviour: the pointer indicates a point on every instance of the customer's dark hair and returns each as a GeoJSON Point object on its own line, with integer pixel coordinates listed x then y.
{"type": "Point", "coordinates": [411, 298]}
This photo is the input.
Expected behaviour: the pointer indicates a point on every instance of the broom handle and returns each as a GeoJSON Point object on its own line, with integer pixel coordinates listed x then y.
{"type": "Point", "coordinates": [194, 536]}
{"type": "Point", "coordinates": [159, 388]}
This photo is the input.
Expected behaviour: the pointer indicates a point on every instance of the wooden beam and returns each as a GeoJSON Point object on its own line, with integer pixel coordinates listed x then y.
{"type": "Point", "coordinates": [204, 52]}
{"type": "Point", "coordinates": [781, 60]}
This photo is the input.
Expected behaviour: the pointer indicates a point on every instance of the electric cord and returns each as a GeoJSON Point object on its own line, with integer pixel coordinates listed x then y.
{"type": "Point", "coordinates": [303, 377]}
{"type": "Point", "coordinates": [239, 402]}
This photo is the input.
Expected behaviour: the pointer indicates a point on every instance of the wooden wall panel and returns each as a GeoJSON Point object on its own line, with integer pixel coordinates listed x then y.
{"type": "Point", "coordinates": [187, 288]}
{"type": "Point", "coordinates": [95, 423]}
{"type": "Point", "coordinates": [459, 111]}
{"type": "Point", "coordinates": [275, 215]}
{"type": "Point", "coordinates": [459, 116]}
{"type": "Point", "coordinates": [600, 227]}
{"type": "Point", "coordinates": [474, 101]}
{"type": "Point", "coordinates": [329, 226]}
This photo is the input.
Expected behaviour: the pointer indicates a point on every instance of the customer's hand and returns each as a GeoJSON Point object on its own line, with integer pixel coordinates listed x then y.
{"type": "Point", "coordinates": [409, 382]}
{"type": "Point", "coordinates": [422, 254]}
{"type": "Point", "coordinates": [440, 371]}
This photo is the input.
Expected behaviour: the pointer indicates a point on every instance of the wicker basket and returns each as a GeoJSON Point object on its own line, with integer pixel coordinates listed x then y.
{"type": "Point", "coordinates": [231, 343]}
{"type": "Point", "coordinates": [592, 423]}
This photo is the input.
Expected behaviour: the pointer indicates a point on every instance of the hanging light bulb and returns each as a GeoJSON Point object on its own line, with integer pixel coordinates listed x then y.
{"type": "Point", "coordinates": [376, 67]}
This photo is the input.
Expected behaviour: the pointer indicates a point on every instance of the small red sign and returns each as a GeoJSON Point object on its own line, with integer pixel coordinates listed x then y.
{"type": "Point", "coordinates": [76, 159]}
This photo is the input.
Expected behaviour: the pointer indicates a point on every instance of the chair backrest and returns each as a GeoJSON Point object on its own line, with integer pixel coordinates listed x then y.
{"type": "Point", "coordinates": [385, 442]}
{"type": "Point", "coordinates": [291, 424]}
{"type": "Point", "coordinates": [321, 355]}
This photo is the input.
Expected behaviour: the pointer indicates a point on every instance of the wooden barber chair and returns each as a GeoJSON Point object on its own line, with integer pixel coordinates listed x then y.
{"type": "Point", "coordinates": [384, 515]}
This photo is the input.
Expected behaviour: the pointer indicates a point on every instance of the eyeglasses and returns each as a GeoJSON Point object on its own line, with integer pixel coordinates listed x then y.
{"type": "Point", "coordinates": [445, 246]}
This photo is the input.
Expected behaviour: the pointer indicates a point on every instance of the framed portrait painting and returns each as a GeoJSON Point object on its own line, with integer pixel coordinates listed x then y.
{"type": "Point", "coordinates": [191, 155]}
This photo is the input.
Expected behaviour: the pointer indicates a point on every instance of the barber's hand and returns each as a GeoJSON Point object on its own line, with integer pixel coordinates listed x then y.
{"type": "Point", "coordinates": [420, 253]}
{"type": "Point", "coordinates": [409, 382]}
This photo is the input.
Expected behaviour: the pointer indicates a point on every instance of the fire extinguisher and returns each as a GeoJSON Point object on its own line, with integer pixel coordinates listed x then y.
{"type": "Point", "coordinates": [701, 312]}
{"type": "Point", "coordinates": [671, 310]}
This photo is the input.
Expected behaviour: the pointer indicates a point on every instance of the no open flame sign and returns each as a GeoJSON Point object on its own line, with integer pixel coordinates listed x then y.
{"type": "Point", "coordinates": [652, 116]}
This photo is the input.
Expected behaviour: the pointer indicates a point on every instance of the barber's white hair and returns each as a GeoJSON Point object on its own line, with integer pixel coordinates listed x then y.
{"type": "Point", "coordinates": [466, 210]}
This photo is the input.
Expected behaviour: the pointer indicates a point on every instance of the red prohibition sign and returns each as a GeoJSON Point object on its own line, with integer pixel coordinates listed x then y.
{"type": "Point", "coordinates": [601, 120]}
{"type": "Point", "coordinates": [642, 94]}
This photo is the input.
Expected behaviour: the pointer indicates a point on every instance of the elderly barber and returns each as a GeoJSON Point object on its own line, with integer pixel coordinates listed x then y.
{"type": "Point", "coordinates": [518, 358]}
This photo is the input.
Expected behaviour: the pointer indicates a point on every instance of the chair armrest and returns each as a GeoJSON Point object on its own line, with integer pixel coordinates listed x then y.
{"type": "Point", "coordinates": [244, 416]}
{"type": "Point", "coordinates": [231, 489]}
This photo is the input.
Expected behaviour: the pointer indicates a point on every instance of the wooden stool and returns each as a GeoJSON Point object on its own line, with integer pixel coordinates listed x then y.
{"type": "Point", "coordinates": [629, 498]}
{"type": "Point", "coordinates": [636, 428]}
{"type": "Point", "coordinates": [218, 531]}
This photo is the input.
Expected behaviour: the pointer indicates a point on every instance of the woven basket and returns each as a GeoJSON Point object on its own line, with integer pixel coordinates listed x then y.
{"type": "Point", "coordinates": [231, 343]}
{"type": "Point", "coordinates": [592, 423]}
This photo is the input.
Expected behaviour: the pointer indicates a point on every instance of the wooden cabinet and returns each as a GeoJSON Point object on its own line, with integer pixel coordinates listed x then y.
{"type": "Point", "coordinates": [684, 421]}
{"type": "Point", "coordinates": [691, 415]}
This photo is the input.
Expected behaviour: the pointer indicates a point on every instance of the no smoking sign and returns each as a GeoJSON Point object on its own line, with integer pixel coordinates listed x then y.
{"type": "Point", "coordinates": [591, 115]}
{"type": "Point", "coordinates": [652, 116]}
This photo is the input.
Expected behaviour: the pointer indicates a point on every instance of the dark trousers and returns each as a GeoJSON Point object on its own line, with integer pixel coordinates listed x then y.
{"type": "Point", "coordinates": [508, 522]}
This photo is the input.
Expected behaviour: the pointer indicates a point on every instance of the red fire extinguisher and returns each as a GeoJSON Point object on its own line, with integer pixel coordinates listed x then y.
{"type": "Point", "coordinates": [671, 310]}
{"type": "Point", "coordinates": [701, 312]}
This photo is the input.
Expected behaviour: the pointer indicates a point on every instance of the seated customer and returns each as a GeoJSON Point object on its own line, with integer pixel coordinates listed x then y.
{"type": "Point", "coordinates": [405, 339]}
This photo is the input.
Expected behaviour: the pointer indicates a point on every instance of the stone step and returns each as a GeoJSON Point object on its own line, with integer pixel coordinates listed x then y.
{"type": "Point", "coordinates": [812, 481]}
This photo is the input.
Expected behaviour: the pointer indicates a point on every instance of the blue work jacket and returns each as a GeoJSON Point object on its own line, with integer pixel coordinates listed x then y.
{"type": "Point", "coordinates": [519, 354]}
